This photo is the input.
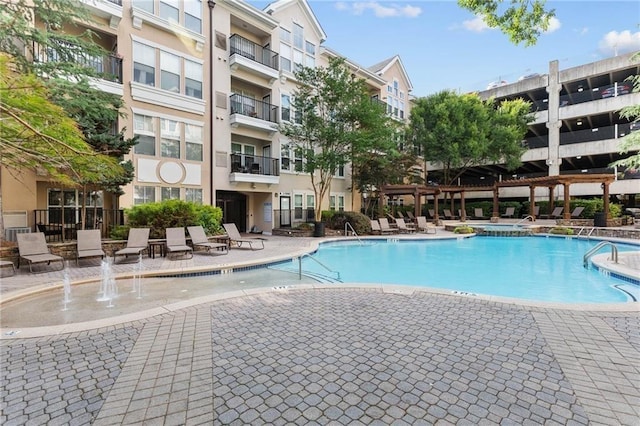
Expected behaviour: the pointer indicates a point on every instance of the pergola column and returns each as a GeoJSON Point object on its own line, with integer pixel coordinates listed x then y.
{"type": "Point", "coordinates": [567, 205]}
{"type": "Point", "coordinates": [436, 215]}
{"type": "Point", "coordinates": [551, 200]}
{"type": "Point", "coordinates": [496, 205]}
{"type": "Point", "coordinates": [417, 203]}
{"type": "Point", "coordinates": [463, 213]}
{"type": "Point", "coordinates": [532, 202]}
{"type": "Point", "coordinates": [605, 199]}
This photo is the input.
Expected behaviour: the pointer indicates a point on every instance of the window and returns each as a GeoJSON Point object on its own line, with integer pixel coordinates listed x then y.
{"type": "Point", "coordinates": [297, 159]}
{"type": "Point", "coordinates": [193, 195]}
{"type": "Point", "coordinates": [244, 153]}
{"type": "Point", "coordinates": [395, 88]}
{"type": "Point", "coordinates": [169, 138]}
{"type": "Point", "coordinates": [193, 15]}
{"type": "Point", "coordinates": [389, 88]}
{"type": "Point", "coordinates": [144, 64]}
{"type": "Point", "coordinates": [169, 10]}
{"type": "Point", "coordinates": [144, 194]}
{"type": "Point", "coordinates": [311, 201]}
{"type": "Point", "coordinates": [310, 48]}
{"type": "Point", "coordinates": [340, 202]}
{"type": "Point", "coordinates": [169, 194]}
{"type": "Point", "coordinates": [193, 140]}
{"type": "Point", "coordinates": [285, 107]}
{"type": "Point", "coordinates": [169, 72]}
{"type": "Point", "coordinates": [340, 171]}
{"type": "Point", "coordinates": [310, 57]}
{"type": "Point", "coordinates": [297, 60]}
{"type": "Point", "coordinates": [285, 57]}
{"type": "Point", "coordinates": [285, 155]}
{"type": "Point", "coordinates": [193, 79]}
{"type": "Point", "coordinates": [72, 200]}
{"type": "Point", "coordinates": [298, 37]}
{"type": "Point", "coordinates": [143, 128]}
{"type": "Point", "coordinates": [285, 35]}
{"type": "Point", "coordinates": [146, 5]}
{"type": "Point", "coordinates": [297, 206]}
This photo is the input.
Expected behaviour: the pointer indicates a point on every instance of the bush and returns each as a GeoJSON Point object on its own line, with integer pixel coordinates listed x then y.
{"type": "Point", "coordinates": [170, 214]}
{"type": "Point", "coordinates": [561, 230]}
{"type": "Point", "coordinates": [360, 223]}
{"type": "Point", "coordinates": [464, 229]}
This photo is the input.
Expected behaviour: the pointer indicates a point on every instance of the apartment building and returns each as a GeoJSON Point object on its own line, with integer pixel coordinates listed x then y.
{"type": "Point", "coordinates": [576, 128]}
{"type": "Point", "coordinates": [206, 85]}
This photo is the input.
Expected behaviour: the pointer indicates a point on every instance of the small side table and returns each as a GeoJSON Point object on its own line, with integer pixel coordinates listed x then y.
{"type": "Point", "coordinates": [160, 244]}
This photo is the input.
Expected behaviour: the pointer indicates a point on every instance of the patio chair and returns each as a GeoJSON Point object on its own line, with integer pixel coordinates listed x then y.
{"type": "Point", "coordinates": [478, 213]}
{"type": "Point", "coordinates": [536, 212]}
{"type": "Point", "coordinates": [89, 244]}
{"type": "Point", "coordinates": [33, 249]}
{"type": "Point", "coordinates": [448, 215]}
{"type": "Point", "coordinates": [177, 242]}
{"type": "Point", "coordinates": [385, 227]}
{"type": "Point", "coordinates": [555, 214]}
{"type": "Point", "coordinates": [200, 239]}
{"type": "Point", "coordinates": [236, 238]}
{"type": "Point", "coordinates": [509, 212]}
{"type": "Point", "coordinates": [137, 242]}
{"type": "Point", "coordinates": [577, 212]}
{"type": "Point", "coordinates": [432, 214]}
{"type": "Point", "coordinates": [403, 227]}
{"type": "Point", "coordinates": [376, 229]}
{"type": "Point", "coordinates": [423, 226]}
{"type": "Point", "coordinates": [7, 264]}
{"type": "Point", "coordinates": [411, 217]}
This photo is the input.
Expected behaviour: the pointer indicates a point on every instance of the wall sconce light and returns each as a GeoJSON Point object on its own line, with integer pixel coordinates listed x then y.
{"type": "Point", "coordinates": [579, 122]}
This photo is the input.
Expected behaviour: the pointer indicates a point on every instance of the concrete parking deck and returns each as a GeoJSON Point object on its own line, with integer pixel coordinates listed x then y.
{"type": "Point", "coordinates": [323, 355]}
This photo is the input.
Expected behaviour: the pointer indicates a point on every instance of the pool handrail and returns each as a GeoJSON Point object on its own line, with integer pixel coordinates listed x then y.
{"type": "Point", "coordinates": [515, 225]}
{"type": "Point", "coordinates": [353, 231]}
{"type": "Point", "coordinates": [318, 262]}
{"type": "Point", "coordinates": [587, 255]}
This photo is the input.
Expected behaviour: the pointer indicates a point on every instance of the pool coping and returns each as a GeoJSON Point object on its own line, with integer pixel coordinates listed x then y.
{"type": "Point", "coordinates": [30, 332]}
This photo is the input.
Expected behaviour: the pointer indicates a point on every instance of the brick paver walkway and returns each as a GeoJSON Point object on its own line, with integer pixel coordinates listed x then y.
{"type": "Point", "coordinates": [332, 355]}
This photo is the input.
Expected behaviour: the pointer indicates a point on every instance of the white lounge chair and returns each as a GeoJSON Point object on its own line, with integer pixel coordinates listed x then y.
{"type": "Point", "coordinates": [403, 227]}
{"type": "Point", "coordinates": [236, 238]}
{"type": "Point", "coordinates": [424, 226]}
{"type": "Point", "coordinates": [33, 249]}
{"type": "Point", "coordinates": [509, 212]}
{"type": "Point", "coordinates": [376, 229]}
{"type": "Point", "coordinates": [200, 239]}
{"type": "Point", "coordinates": [177, 242]}
{"type": "Point", "coordinates": [89, 244]}
{"type": "Point", "coordinates": [137, 242]}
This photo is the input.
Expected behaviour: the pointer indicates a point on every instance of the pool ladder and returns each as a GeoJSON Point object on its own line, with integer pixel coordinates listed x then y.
{"type": "Point", "coordinates": [614, 252]}
{"type": "Point", "coordinates": [524, 219]}
{"type": "Point", "coordinates": [348, 226]}
{"type": "Point", "coordinates": [318, 262]}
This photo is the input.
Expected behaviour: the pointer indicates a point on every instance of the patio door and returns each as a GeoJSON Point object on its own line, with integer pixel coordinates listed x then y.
{"type": "Point", "coordinates": [285, 211]}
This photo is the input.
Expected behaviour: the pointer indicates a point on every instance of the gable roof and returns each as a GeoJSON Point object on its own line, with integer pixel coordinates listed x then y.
{"type": "Point", "coordinates": [383, 66]}
{"type": "Point", "coordinates": [279, 5]}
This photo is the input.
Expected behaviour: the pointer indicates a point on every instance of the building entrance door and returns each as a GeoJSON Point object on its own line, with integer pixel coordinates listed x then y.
{"type": "Point", "coordinates": [234, 208]}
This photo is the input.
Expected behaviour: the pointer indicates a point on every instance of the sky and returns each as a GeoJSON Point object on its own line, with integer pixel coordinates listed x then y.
{"type": "Point", "coordinates": [443, 46]}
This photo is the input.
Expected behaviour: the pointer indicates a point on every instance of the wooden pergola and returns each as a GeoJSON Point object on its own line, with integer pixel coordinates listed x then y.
{"type": "Point", "coordinates": [418, 191]}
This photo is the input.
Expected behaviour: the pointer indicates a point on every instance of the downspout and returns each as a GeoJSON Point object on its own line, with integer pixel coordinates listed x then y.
{"type": "Point", "coordinates": [212, 199]}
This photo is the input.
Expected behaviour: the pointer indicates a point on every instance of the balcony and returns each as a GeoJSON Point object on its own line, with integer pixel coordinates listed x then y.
{"type": "Point", "coordinates": [253, 114]}
{"type": "Point", "coordinates": [108, 9]}
{"type": "Point", "coordinates": [254, 169]}
{"type": "Point", "coordinates": [251, 57]}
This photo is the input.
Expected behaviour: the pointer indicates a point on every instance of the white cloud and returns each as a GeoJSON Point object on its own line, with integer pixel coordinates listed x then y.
{"type": "Point", "coordinates": [380, 11]}
{"type": "Point", "coordinates": [554, 25]}
{"type": "Point", "coordinates": [476, 25]}
{"type": "Point", "coordinates": [582, 31]}
{"type": "Point", "coordinates": [614, 42]}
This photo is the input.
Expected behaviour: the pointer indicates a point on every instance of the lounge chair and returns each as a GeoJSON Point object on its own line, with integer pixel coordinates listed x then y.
{"type": "Point", "coordinates": [448, 215]}
{"type": "Point", "coordinates": [423, 226]}
{"type": "Point", "coordinates": [137, 242]}
{"type": "Point", "coordinates": [432, 214]}
{"type": "Point", "coordinates": [33, 249]}
{"type": "Point", "coordinates": [555, 214]}
{"type": "Point", "coordinates": [536, 212]}
{"type": "Point", "coordinates": [236, 238]}
{"type": "Point", "coordinates": [403, 227]}
{"type": "Point", "coordinates": [200, 240]}
{"type": "Point", "coordinates": [577, 212]}
{"type": "Point", "coordinates": [6, 264]}
{"type": "Point", "coordinates": [478, 213]}
{"type": "Point", "coordinates": [177, 242]}
{"type": "Point", "coordinates": [385, 227]}
{"type": "Point", "coordinates": [509, 212]}
{"type": "Point", "coordinates": [411, 217]}
{"type": "Point", "coordinates": [89, 244]}
{"type": "Point", "coordinates": [376, 229]}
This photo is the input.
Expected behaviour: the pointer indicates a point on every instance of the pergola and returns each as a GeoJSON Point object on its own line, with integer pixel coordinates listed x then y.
{"type": "Point", "coordinates": [418, 191]}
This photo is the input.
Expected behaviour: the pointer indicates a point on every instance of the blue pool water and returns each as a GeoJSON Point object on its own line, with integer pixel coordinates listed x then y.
{"type": "Point", "coordinates": [533, 268]}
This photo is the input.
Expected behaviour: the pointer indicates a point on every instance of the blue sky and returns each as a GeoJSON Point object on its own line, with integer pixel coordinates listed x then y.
{"type": "Point", "coordinates": [443, 46]}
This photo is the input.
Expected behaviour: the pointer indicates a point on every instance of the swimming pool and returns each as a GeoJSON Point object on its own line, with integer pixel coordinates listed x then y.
{"type": "Point", "coordinates": [532, 268]}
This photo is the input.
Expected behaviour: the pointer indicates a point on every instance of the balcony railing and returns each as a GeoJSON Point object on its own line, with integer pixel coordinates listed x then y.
{"type": "Point", "coordinates": [255, 164]}
{"type": "Point", "coordinates": [251, 107]}
{"type": "Point", "coordinates": [239, 45]}
{"type": "Point", "coordinates": [96, 218]}
{"type": "Point", "coordinates": [108, 67]}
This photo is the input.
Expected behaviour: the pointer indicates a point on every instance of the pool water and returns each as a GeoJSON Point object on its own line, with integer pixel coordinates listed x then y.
{"type": "Point", "coordinates": [532, 268]}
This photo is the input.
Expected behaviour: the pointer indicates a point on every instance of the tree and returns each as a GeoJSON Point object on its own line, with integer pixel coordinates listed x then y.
{"type": "Point", "coordinates": [462, 131]}
{"type": "Point", "coordinates": [523, 20]}
{"type": "Point", "coordinates": [631, 142]}
{"type": "Point", "coordinates": [334, 118]}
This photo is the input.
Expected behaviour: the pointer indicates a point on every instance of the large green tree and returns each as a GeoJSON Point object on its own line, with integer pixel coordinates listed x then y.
{"type": "Point", "coordinates": [334, 117]}
{"type": "Point", "coordinates": [521, 20]}
{"type": "Point", "coordinates": [463, 131]}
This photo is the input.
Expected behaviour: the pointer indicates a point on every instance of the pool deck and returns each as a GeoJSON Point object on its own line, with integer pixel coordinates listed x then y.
{"type": "Point", "coordinates": [323, 354]}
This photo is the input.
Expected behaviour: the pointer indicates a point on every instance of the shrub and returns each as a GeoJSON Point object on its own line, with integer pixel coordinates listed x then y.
{"type": "Point", "coordinates": [464, 229]}
{"type": "Point", "coordinates": [360, 223]}
{"type": "Point", "coordinates": [561, 230]}
{"type": "Point", "coordinates": [173, 213]}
